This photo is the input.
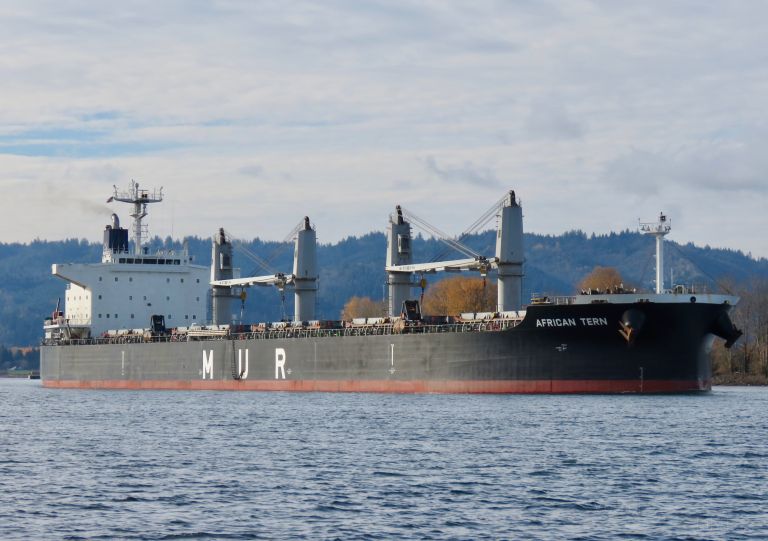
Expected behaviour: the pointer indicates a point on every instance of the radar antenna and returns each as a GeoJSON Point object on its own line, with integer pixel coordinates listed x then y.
{"type": "Point", "coordinates": [139, 199]}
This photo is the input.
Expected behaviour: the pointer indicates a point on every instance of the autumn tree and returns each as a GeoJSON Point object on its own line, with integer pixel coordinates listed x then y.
{"type": "Point", "coordinates": [362, 307]}
{"type": "Point", "coordinates": [460, 294]}
{"type": "Point", "coordinates": [601, 278]}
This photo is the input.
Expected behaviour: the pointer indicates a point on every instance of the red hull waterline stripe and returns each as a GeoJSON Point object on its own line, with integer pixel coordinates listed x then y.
{"type": "Point", "coordinates": [392, 386]}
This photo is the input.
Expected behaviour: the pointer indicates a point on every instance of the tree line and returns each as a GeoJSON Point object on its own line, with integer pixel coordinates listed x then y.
{"type": "Point", "coordinates": [747, 361]}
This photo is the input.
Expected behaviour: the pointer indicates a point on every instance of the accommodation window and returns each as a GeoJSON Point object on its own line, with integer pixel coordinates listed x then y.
{"type": "Point", "coordinates": [99, 316]}
{"type": "Point", "coordinates": [99, 296]}
{"type": "Point", "coordinates": [182, 280]}
{"type": "Point", "coordinates": [167, 298]}
{"type": "Point", "coordinates": [130, 279]}
{"type": "Point", "coordinates": [194, 316]}
{"type": "Point", "coordinates": [99, 278]}
{"type": "Point", "coordinates": [131, 316]}
{"type": "Point", "coordinates": [130, 297]}
{"type": "Point", "coordinates": [168, 280]}
{"type": "Point", "coordinates": [186, 316]}
{"type": "Point", "coordinates": [107, 316]}
{"type": "Point", "coordinates": [115, 278]}
{"type": "Point", "coordinates": [198, 280]}
{"type": "Point", "coordinates": [115, 316]}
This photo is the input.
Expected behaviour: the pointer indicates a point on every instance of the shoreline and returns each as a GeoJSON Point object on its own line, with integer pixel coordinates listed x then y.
{"type": "Point", "coordinates": [735, 380]}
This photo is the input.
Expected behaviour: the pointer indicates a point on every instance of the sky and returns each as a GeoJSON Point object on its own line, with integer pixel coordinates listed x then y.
{"type": "Point", "coordinates": [252, 114]}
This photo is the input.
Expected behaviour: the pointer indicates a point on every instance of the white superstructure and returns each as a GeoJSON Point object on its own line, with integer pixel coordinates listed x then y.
{"type": "Point", "coordinates": [130, 286]}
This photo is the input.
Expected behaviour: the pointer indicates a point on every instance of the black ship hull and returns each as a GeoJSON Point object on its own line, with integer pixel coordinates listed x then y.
{"type": "Point", "coordinates": [637, 347]}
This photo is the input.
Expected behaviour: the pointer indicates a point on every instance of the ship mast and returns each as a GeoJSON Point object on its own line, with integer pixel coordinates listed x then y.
{"type": "Point", "coordinates": [659, 230]}
{"type": "Point", "coordinates": [139, 199]}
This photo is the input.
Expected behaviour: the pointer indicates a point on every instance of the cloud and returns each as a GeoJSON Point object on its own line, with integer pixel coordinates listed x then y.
{"type": "Point", "coordinates": [466, 173]}
{"type": "Point", "coordinates": [714, 166]}
{"type": "Point", "coordinates": [551, 120]}
{"type": "Point", "coordinates": [345, 107]}
{"type": "Point", "coordinates": [252, 170]}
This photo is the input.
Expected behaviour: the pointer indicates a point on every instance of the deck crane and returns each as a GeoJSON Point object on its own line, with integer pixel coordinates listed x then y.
{"type": "Point", "coordinates": [303, 278]}
{"type": "Point", "coordinates": [508, 260]}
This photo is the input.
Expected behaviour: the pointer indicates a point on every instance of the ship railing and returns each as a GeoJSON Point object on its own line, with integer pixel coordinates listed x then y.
{"type": "Point", "coordinates": [539, 298]}
{"type": "Point", "coordinates": [492, 325]}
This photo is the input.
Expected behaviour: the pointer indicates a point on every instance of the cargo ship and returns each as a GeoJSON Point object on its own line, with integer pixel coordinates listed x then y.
{"type": "Point", "coordinates": [141, 320]}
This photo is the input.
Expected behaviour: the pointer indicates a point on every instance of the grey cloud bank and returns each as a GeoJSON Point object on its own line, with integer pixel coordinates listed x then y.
{"type": "Point", "coordinates": [253, 114]}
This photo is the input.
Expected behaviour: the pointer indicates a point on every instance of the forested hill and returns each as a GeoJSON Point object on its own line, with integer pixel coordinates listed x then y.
{"type": "Point", "coordinates": [355, 266]}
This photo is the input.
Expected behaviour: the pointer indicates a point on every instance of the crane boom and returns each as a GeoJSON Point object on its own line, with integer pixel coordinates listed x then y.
{"type": "Point", "coordinates": [479, 263]}
{"type": "Point", "coordinates": [278, 279]}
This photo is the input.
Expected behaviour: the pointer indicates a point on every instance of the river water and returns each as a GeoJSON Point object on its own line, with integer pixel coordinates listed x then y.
{"type": "Point", "coordinates": [80, 464]}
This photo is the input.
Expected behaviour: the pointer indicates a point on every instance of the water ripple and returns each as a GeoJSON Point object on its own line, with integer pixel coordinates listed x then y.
{"type": "Point", "coordinates": [205, 465]}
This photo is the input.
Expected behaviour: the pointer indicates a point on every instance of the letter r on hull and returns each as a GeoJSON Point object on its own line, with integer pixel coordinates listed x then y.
{"type": "Point", "coordinates": [279, 363]}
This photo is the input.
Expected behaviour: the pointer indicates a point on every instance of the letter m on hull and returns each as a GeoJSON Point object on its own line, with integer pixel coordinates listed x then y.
{"type": "Point", "coordinates": [208, 363]}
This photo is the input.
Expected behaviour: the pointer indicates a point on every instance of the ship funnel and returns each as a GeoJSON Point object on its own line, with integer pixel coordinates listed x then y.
{"type": "Point", "coordinates": [509, 251]}
{"type": "Point", "coordinates": [115, 239]}
{"type": "Point", "coordinates": [305, 273]}
{"type": "Point", "coordinates": [221, 269]}
{"type": "Point", "coordinates": [398, 253]}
